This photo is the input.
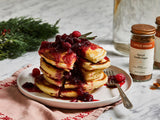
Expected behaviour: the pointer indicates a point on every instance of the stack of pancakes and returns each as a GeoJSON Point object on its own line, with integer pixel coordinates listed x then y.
{"type": "Point", "coordinates": [68, 73]}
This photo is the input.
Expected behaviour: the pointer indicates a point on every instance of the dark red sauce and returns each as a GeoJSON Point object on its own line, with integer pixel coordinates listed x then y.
{"type": "Point", "coordinates": [112, 78]}
{"type": "Point", "coordinates": [94, 46]}
{"type": "Point", "coordinates": [95, 100]}
{"type": "Point", "coordinates": [69, 57]}
{"type": "Point", "coordinates": [85, 97]}
{"type": "Point", "coordinates": [56, 56]}
{"type": "Point", "coordinates": [59, 74]}
{"type": "Point", "coordinates": [30, 87]}
{"type": "Point", "coordinates": [106, 58]}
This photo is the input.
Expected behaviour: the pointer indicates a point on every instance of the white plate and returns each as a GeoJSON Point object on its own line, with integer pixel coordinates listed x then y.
{"type": "Point", "coordinates": [105, 95]}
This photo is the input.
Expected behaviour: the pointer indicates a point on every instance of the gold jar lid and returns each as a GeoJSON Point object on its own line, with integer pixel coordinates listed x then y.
{"type": "Point", "coordinates": [143, 29]}
{"type": "Point", "coordinates": [158, 20]}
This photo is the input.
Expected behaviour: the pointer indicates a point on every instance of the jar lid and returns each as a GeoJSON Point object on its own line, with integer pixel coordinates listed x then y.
{"type": "Point", "coordinates": [143, 29]}
{"type": "Point", "coordinates": [158, 20]}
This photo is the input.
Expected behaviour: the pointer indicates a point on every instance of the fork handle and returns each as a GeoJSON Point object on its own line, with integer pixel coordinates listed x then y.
{"type": "Point", "coordinates": [125, 100]}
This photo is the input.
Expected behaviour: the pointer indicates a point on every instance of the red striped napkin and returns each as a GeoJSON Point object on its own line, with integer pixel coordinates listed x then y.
{"type": "Point", "coordinates": [16, 106]}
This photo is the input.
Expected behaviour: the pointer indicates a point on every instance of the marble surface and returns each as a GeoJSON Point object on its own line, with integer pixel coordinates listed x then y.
{"type": "Point", "coordinates": [85, 16]}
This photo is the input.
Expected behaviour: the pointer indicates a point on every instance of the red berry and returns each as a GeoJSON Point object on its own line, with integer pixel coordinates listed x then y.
{"type": "Point", "coordinates": [120, 77]}
{"type": "Point", "coordinates": [4, 30]}
{"type": "Point", "coordinates": [35, 72]}
{"type": "Point", "coordinates": [64, 36]}
{"type": "Point", "coordinates": [66, 45]}
{"type": "Point", "coordinates": [76, 34]}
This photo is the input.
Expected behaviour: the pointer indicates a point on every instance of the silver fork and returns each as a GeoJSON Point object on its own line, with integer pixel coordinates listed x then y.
{"type": "Point", "coordinates": [125, 100]}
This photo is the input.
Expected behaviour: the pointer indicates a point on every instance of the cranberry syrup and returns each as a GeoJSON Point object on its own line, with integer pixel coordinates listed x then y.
{"type": "Point", "coordinates": [30, 87]}
{"type": "Point", "coordinates": [118, 78]}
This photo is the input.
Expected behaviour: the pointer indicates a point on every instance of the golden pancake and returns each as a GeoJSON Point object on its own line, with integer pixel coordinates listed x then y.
{"type": "Point", "coordinates": [69, 90]}
{"type": "Point", "coordinates": [92, 85]}
{"type": "Point", "coordinates": [69, 85]}
{"type": "Point", "coordinates": [88, 87]}
{"type": "Point", "coordinates": [95, 53]}
{"type": "Point", "coordinates": [70, 93]}
{"type": "Point", "coordinates": [47, 87]}
{"type": "Point", "coordinates": [103, 64]}
{"type": "Point", "coordinates": [92, 74]}
{"type": "Point", "coordinates": [62, 60]}
{"type": "Point", "coordinates": [56, 82]}
{"type": "Point", "coordinates": [50, 70]}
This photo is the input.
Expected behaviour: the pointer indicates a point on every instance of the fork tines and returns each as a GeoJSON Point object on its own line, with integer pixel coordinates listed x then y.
{"type": "Point", "coordinates": [109, 73]}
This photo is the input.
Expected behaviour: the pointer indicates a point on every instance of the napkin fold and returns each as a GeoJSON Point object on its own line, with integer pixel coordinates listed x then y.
{"type": "Point", "coordinates": [15, 106]}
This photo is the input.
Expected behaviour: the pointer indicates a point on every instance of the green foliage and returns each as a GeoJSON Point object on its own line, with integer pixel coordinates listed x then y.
{"type": "Point", "coordinates": [22, 34]}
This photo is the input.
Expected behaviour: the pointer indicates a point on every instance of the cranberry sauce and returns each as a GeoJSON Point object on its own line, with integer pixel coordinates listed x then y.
{"type": "Point", "coordinates": [67, 43]}
{"type": "Point", "coordinates": [69, 58]}
{"type": "Point", "coordinates": [30, 87]}
{"type": "Point", "coordinates": [116, 79]}
{"type": "Point", "coordinates": [85, 97]}
{"type": "Point", "coordinates": [106, 58]}
{"type": "Point", "coordinates": [75, 77]}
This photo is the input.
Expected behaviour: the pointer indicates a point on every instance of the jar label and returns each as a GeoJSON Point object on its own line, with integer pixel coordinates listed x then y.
{"type": "Point", "coordinates": [138, 45]}
{"type": "Point", "coordinates": [141, 58]}
{"type": "Point", "coordinates": [157, 49]}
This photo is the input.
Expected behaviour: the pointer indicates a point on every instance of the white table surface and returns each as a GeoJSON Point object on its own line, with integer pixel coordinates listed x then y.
{"type": "Point", "coordinates": [85, 16]}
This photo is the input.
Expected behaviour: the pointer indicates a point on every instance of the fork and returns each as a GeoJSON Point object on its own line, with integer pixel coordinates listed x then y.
{"type": "Point", "coordinates": [125, 100]}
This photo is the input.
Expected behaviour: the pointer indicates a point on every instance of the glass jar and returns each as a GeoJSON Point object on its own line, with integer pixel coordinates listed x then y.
{"type": "Point", "coordinates": [157, 45]}
{"type": "Point", "coordinates": [128, 13]}
{"type": "Point", "coordinates": [141, 52]}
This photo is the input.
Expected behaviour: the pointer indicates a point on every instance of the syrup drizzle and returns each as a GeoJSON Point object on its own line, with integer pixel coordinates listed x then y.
{"type": "Point", "coordinates": [30, 87]}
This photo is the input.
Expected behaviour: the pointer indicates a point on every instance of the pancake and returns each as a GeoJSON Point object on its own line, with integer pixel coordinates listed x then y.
{"type": "Point", "coordinates": [88, 87]}
{"type": "Point", "coordinates": [103, 64]}
{"type": "Point", "coordinates": [69, 85]}
{"type": "Point", "coordinates": [92, 85]}
{"type": "Point", "coordinates": [94, 53]}
{"type": "Point", "coordinates": [70, 93]}
{"type": "Point", "coordinates": [46, 87]}
{"type": "Point", "coordinates": [69, 90]}
{"type": "Point", "coordinates": [59, 58]}
{"type": "Point", "coordinates": [92, 74]}
{"type": "Point", "coordinates": [62, 63]}
{"type": "Point", "coordinates": [55, 82]}
{"type": "Point", "coordinates": [50, 70]}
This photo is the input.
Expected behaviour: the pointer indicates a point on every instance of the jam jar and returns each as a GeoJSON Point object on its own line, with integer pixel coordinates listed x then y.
{"type": "Point", "coordinates": [157, 45]}
{"type": "Point", "coordinates": [141, 52]}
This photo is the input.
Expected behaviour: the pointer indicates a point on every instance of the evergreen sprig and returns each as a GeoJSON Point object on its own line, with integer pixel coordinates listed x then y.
{"type": "Point", "coordinates": [22, 34]}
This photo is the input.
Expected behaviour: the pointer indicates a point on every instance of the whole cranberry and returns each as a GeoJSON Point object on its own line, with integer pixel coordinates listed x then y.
{"type": "Point", "coordinates": [77, 40]}
{"type": "Point", "coordinates": [66, 45]}
{"type": "Point", "coordinates": [70, 40]}
{"type": "Point", "coordinates": [120, 77]}
{"type": "Point", "coordinates": [58, 39]}
{"type": "Point", "coordinates": [67, 75]}
{"type": "Point", "coordinates": [64, 36]}
{"type": "Point", "coordinates": [45, 44]}
{"type": "Point", "coordinates": [80, 91]}
{"type": "Point", "coordinates": [76, 34]}
{"type": "Point", "coordinates": [86, 97]}
{"type": "Point", "coordinates": [35, 72]}
{"type": "Point", "coordinates": [112, 78]}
